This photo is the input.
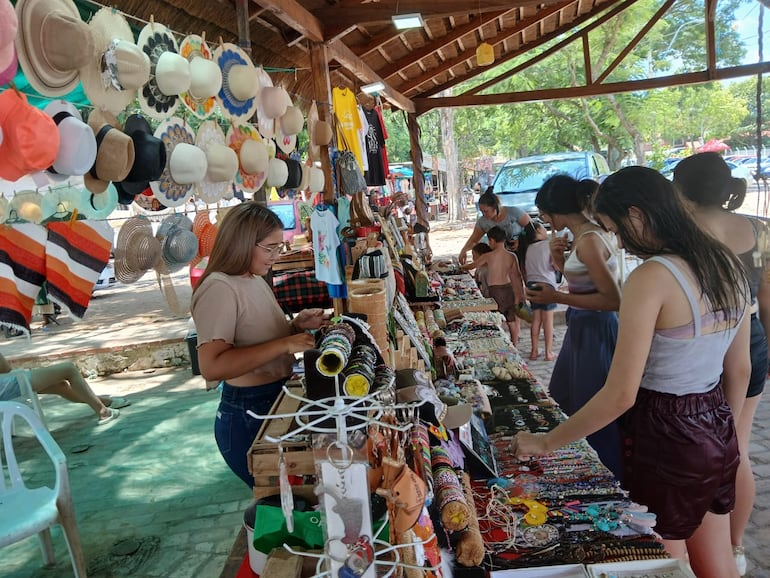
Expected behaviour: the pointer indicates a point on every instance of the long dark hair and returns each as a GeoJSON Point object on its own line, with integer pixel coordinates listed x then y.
{"type": "Point", "coordinates": [670, 230]}
{"type": "Point", "coordinates": [489, 199]}
{"type": "Point", "coordinates": [564, 195]}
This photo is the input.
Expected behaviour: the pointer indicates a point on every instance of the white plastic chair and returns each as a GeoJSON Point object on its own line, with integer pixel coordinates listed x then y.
{"type": "Point", "coordinates": [27, 511]}
{"type": "Point", "coordinates": [29, 394]}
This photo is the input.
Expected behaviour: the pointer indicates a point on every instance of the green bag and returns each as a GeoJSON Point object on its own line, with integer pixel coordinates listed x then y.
{"type": "Point", "coordinates": [270, 529]}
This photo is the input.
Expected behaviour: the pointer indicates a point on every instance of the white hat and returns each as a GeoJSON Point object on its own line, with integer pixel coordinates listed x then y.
{"type": "Point", "coordinates": [172, 73]}
{"type": "Point", "coordinates": [292, 121]}
{"type": "Point", "coordinates": [77, 142]}
{"type": "Point", "coordinates": [205, 76]}
{"type": "Point", "coordinates": [168, 190]}
{"type": "Point", "coordinates": [316, 180]}
{"type": "Point", "coordinates": [253, 157]}
{"type": "Point", "coordinates": [188, 164]}
{"type": "Point", "coordinates": [277, 173]}
{"type": "Point", "coordinates": [266, 124]}
{"type": "Point", "coordinates": [239, 94]}
{"type": "Point", "coordinates": [275, 101]}
{"type": "Point", "coordinates": [304, 182]}
{"type": "Point", "coordinates": [169, 76]}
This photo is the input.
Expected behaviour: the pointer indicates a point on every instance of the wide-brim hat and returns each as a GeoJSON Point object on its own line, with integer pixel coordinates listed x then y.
{"type": "Point", "coordinates": [266, 123]}
{"type": "Point", "coordinates": [317, 180]}
{"type": "Point", "coordinates": [314, 149]}
{"type": "Point", "coordinates": [277, 173]}
{"type": "Point", "coordinates": [100, 205]}
{"type": "Point", "coordinates": [52, 44]}
{"type": "Point", "coordinates": [179, 245]}
{"type": "Point", "coordinates": [236, 136]}
{"type": "Point", "coordinates": [286, 142]}
{"type": "Point", "coordinates": [26, 205]}
{"type": "Point", "coordinates": [304, 181]}
{"type": "Point", "coordinates": [22, 150]}
{"type": "Point", "coordinates": [154, 40]}
{"type": "Point", "coordinates": [63, 201]}
{"type": "Point", "coordinates": [413, 385]}
{"type": "Point", "coordinates": [205, 76]}
{"type": "Point", "coordinates": [206, 232]}
{"type": "Point", "coordinates": [77, 142]}
{"type": "Point", "coordinates": [222, 161]}
{"type": "Point", "coordinates": [231, 60]}
{"type": "Point", "coordinates": [118, 67]}
{"type": "Point", "coordinates": [294, 176]}
{"type": "Point", "coordinates": [149, 158]}
{"type": "Point", "coordinates": [136, 250]}
{"type": "Point", "coordinates": [169, 192]}
{"type": "Point", "coordinates": [114, 152]}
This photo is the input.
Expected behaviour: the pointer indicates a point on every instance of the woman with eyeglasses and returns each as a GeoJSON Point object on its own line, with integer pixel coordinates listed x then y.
{"type": "Point", "coordinates": [245, 341]}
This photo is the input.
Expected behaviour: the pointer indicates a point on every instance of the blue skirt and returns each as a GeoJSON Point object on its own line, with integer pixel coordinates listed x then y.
{"type": "Point", "coordinates": [581, 370]}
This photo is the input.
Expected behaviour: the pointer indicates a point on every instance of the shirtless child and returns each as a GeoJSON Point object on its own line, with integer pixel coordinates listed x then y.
{"type": "Point", "coordinates": [504, 280]}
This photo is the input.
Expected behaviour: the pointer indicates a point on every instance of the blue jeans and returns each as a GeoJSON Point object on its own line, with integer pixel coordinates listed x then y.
{"type": "Point", "coordinates": [234, 429]}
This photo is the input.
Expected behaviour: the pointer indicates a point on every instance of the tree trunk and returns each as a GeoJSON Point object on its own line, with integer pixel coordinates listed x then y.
{"type": "Point", "coordinates": [453, 191]}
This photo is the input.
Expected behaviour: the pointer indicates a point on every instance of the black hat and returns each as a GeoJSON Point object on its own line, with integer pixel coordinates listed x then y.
{"type": "Point", "coordinates": [149, 156]}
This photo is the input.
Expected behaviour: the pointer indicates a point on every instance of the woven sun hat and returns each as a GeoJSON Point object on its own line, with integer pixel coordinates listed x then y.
{"type": "Point", "coordinates": [277, 173]}
{"type": "Point", "coordinates": [114, 152]}
{"type": "Point", "coordinates": [77, 142]}
{"type": "Point", "coordinates": [22, 150]}
{"type": "Point", "coordinates": [292, 121]}
{"type": "Point", "coordinates": [206, 232]}
{"type": "Point", "coordinates": [239, 94]}
{"type": "Point", "coordinates": [136, 250]}
{"type": "Point", "coordinates": [63, 200]}
{"type": "Point", "coordinates": [149, 159]}
{"type": "Point", "coordinates": [53, 43]}
{"type": "Point", "coordinates": [316, 184]}
{"type": "Point", "coordinates": [169, 72]}
{"type": "Point", "coordinates": [205, 76]}
{"type": "Point", "coordinates": [275, 101]}
{"type": "Point", "coordinates": [266, 123]}
{"type": "Point", "coordinates": [179, 245]}
{"type": "Point", "coordinates": [9, 26]}
{"type": "Point", "coordinates": [175, 187]}
{"type": "Point", "coordinates": [118, 67]}
{"type": "Point", "coordinates": [222, 162]}
{"type": "Point", "coordinates": [26, 205]}
{"type": "Point", "coordinates": [100, 205]}
{"type": "Point", "coordinates": [245, 140]}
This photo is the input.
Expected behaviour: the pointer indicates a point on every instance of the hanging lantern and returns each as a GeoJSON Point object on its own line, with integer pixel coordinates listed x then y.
{"type": "Point", "coordinates": [485, 54]}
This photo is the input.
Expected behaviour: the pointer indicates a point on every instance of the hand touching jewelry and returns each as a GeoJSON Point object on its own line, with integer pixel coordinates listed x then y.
{"type": "Point", "coordinates": [310, 319]}
{"type": "Point", "coordinates": [526, 445]}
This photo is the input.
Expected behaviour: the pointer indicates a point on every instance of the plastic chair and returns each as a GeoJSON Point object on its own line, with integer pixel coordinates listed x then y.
{"type": "Point", "coordinates": [27, 511]}
{"type": "Point", "coordinates": [29, 394]}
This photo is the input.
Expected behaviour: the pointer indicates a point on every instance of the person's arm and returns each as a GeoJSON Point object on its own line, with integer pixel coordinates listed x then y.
{"type": "Point", "coordinates": [475, 237]}
{"type": "Point", "coordinates": [5, 367]}
{"type": "Point", "coordinates": [641, 305]}
{"type": "Point", "coordinates": [558, 245]}
{"type": "Point", "coordinates": [763, 299]}
{"type": "Point", "coordinates": [514, 274]}
{"type": "Point", "coordinates": [482, 260]}
{"type": "Point", "coordinates": [736, 370]}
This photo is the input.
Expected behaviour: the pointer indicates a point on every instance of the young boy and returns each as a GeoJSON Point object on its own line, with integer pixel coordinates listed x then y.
{"type": "Point", "coordinates": [503, 278]}
{"type": "Point", "coordinates": [540, 270]}
{"type": "Point", "coordinates": [480, 275]}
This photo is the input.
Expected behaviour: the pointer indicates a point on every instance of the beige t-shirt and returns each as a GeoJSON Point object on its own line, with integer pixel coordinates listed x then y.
{"type": "Point", "coordinates": [242, 311]}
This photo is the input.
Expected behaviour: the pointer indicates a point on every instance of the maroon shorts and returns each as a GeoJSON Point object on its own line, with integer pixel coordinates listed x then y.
{"type": "Point", "coordinates": [505, 299]}
{"type": "Point", "coordinates": [680, 458]}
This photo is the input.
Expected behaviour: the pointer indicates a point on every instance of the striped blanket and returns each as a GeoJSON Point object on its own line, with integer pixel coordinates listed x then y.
{"type": "Point", "coordinates": [22, 272]}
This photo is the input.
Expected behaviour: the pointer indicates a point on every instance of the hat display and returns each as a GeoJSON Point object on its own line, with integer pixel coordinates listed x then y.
{"type": "Point", "coordinates": [317, 181]}
{"type": "Point", "coordinates": [314, 149]}
{"type": "Point", "coordinates": [179, 245]}
{"type": "Point", "coordinates": [277, 173]}
{"type": "Point", "coordinates": [294, 177]}
{"type": "Point", "coordinates": [9, 25]}
{"type": "Point", "coordinates": [275, 100]}
{"type": "Point", "coordinates": [149, 159]}
{"type": "Point", "coordinates": [26, 205]}
{"type": "Point", "coordinates": [205, 76]}
{"type": "Point", "coordinates": [118, 67]}
{"type": "Point", "coordinates": [22, 151]}
{"type": "Point", "coordinates": [222, 162]}
{"type": "Point", "coordinates": [52, 44]}
{"type": "Point", "coordinates": [244, 139]}
{"type": "Point", "coordinates": [206, 232]}
{"type": "Point", "coordinates": [169, 72]}
{"type": "Point", "coordinates": [77, 142]}
{"type": "Point", "coordinates": [114, 152]}
{"type": "Point", "coordinates": [415, 385]}
{"type": "Point", "coordinates": [239, 94]}
{"type": "Point", "coordinates": [62, 201]}
{"type": "Point", "coordinates": [292, 121]}
{"type": "Point", "coordinates": [304, 181]}
{"type": "Point", "coordinates": [100, 205]}
{"type": "Point", "coordinates": [136, 250]}
{"type": "Point", "coordinates": [184, 167]}
{"type": "Point", "coordinates": [266, 123]}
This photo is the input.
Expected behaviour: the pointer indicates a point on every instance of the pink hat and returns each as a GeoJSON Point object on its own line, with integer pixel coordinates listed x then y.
{"type": "Point", "coordinates": [9, 26]}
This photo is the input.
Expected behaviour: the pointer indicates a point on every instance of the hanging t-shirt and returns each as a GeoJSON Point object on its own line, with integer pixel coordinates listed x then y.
{"type": "Point", "coordinates": [348, 122]}
{"type": "Point", "coordinates": [362, 132]}
{"type": "Point", "coordinates": [384, 138]}
{"type": "Point", "coordinates": [325, 243]}
{"type": "Point", "coordinates": [375, 141]}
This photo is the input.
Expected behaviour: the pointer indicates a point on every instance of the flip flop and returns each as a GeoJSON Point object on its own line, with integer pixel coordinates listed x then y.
{"type": "Point", "coordinates": [118, 402]}
{"type": "Point", "coordinates": [112, 415]}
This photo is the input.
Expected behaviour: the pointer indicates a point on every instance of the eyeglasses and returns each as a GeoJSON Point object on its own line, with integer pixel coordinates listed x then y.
{"type": "Point", "coordinates": [273, 251]}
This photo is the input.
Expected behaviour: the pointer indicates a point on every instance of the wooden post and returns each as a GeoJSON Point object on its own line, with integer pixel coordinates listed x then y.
{"type": "Point", "coordinates": [242, 16]}
{"type": "Point", "coordinates": [419, 177]}
{"type": "Point", "coordinates": [319, 66]}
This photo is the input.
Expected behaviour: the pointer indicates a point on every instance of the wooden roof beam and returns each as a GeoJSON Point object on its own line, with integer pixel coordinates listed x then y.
{"type": "Point", "coordinates": [294, 14]}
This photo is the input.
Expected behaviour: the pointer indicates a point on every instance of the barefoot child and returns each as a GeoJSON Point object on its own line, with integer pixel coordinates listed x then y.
{"type": "Point", "coordinates": [540, 270]}
{"type": "Point", "coordinates": [480, 275]}
{"type": "Point", "coordinates": [504, 280]}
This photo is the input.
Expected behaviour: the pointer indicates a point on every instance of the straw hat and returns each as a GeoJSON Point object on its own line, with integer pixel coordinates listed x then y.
{"type": "Point", "coordinates": [52, 44]}
{"type": "Point", "coordinates": [136, 250]}
{"type": "Point", "coordinates": [244, 139]}
{"type": "Point", "coordinates": [118, 67]}
{"type": "Point", "coordinates": [275, 100]}
{"type": "Point", "coordinates": [179, 245]}
{"type": "Point", "coordinates": [266, 123]}
{"type": "Point", "coordinates": [222, 162]}
{"type": "Point", "coordinates": [292, 121]}
{"type": "Point", "coordinates": [322, 133]}
{"type": "Point", "coordinates": [26, 205]}
{"type": "Point", "coordinates": [149, 159]}
{"type": "Point", "coordinates": [316, 184]}
{"type": "Point", "coordinates": [239, 94]}
{"type": "Point", "coordinates": [63, 201]}
{"type": "Point", "coordinates": [206, 232]}
{"type": "Point", "coordinates": [205, 76]}
{"type": "Point", "coordinates": [185, 163]}
{"type": "Point", "coordinates": [285, 142]}
{"type": "Point", "coordinates": [22, 150]}
{"type": "Point", "coordinates": [277, 173]}
{"type": "Point", "coordinates": [9, 25]}
{"type": "Point", "coordinates": [77, 142]}
{"type": "Point", "coordinates": [169, 72]}
{"type": "Point", "coordinates": [114, 152]}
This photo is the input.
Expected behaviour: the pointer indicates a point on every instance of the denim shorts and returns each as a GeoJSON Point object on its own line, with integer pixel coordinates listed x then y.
{"type": "Point", "coordinates": [758, 350]}
{"type": "Point", "coordinates": [543, 306]}
{"type": "Point", "coordinates": [234, 429]}
{"type": "Point", "coordinates": [9, 387]}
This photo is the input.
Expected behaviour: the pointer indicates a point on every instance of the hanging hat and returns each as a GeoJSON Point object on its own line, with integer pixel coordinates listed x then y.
{"type": "Point", "coordinates": [22, 151]}
{"type": "Point", "coordinates": [179, 245]}
{"type": "Point", "coordinates": [294, 177]}
{"type": "Point", "coordinates": [266, 123]}
{"type": "Point", "coordinates": [304, 181]}
{"type": "Point", "coordinates": [27, 205]}
{"type": "Point", "coordinates": [114, 152]}
{"type": "Point", "coordinates": [222, 162]}
{"type": "Point", "coordinates": [77, 143]}
{"type": "Point", "coordinates": [322, 134]}
{"type": "Point", "coordinates": [52, 44]}
{"type": "Point", "coordinates": [63, 200]}
{"type": "Point", "coordinates": [205, 76]}
{"type": "Point", "coordinates": [9, 25]}
{"type": "Point", "coordinates": [277, 173]}
{"type": "Point", "coordinates": [239, 94]}
{"type": "Point", "coordinates": [206, 232]}
{"type": "Point", "coordinates": [275, 101]}
{"type": "Point", "coordinates": [118, 67]}
{"type": "Point", "coordinates": [184, 167]}
{"type": "Point", "coordinates": [316, 184]}
{"type": "Point", "coordinates": [169, 72]}
{"type": "Point", "coordinates": [149, 159]}
{"type": "Point", "coordinates": [100, 205]}
{"type": "Point", "coordinates": [244, 139]}
{"type": "Point", "coordinates": [314, 150]}
{"type": "Point", "coordinates": [136, 250]}
{"type": "Point", "coordinates": [292, 121]}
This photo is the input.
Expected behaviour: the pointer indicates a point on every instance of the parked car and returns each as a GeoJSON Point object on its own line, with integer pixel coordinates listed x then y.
{"type": "Point", "coordinates": [518, 181]}
{"type": "Point", "coordinates": [736, 170]}
{"type": "Point", "coordinates": [106, 278]}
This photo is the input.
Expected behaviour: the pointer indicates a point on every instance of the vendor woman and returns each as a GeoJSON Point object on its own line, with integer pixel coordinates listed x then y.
{"type": "Point", "coordinates": [244, 339]}
{"type": "Point", "coordinates": [512, 220]}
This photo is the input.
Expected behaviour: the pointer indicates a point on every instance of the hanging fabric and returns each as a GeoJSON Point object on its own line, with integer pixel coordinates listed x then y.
{"type": "Point", "coordinates": [22, 273]}
{"type": "Point", "coordinates": [348, 121]}
{"type": "Point", "coordinates": [375, 142]}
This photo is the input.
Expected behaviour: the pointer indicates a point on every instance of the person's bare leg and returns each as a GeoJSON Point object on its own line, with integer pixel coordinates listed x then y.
{"type": "Point", "coordinates": [548, 335]}
{"type": "Point", "coordinates": [709, 549]}
{"type": "Point", "coordinates": [534, 333]}
{"type": "Point", "coordinates": [745, 487]}
{"type": "Point", "coordinates": [64, 379]}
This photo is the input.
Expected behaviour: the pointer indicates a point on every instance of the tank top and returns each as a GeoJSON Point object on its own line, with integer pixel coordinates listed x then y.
{"type": "Point", "coordinates": [685, 365]}
{"type": "Point", "coordinates": [753, 272]}
{"type": "Point", "coordinates": [576, 272]}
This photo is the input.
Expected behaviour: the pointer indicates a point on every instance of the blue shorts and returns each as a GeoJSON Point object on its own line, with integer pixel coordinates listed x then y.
{"type": "Point", "coordinates": [9, 387]}
{"type": "Point", "coordinates": [543, 306]}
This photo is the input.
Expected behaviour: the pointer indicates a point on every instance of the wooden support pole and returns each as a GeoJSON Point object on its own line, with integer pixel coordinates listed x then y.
{"type": "Point", "coordinates": [319, 66]}
{"type": "Point", "coordinates": [242, 16]}
{"type": "Point", "coordinates": [419, 178]}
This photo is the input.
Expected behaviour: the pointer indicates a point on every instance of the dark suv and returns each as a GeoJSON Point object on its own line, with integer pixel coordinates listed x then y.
{"type": "Point", "coordinates": [518, 181]}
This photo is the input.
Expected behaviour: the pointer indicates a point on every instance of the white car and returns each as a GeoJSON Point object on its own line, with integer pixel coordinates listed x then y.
{"type": "Point", "coordinates": [106, 278]}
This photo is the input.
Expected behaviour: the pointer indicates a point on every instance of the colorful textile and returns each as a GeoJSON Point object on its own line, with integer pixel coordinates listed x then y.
{"type": "Point", "coordinates": [324, 225]}
{"type": "Point", "coordinates": [297, 290]}
{"type": "Point", "coordinates": [348, 122]}
{"type": "Point", "coordinates": [22, 272]}
{"type": "Point", "coordinates": [75, 255]}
